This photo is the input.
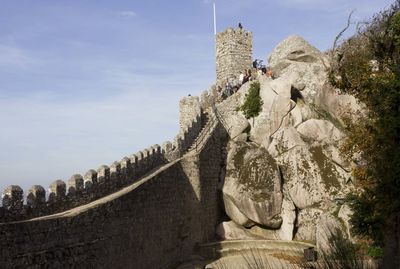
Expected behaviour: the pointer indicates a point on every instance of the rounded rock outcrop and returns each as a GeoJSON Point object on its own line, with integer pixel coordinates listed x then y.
{"type": "Point", "coordinates": [252, 191]}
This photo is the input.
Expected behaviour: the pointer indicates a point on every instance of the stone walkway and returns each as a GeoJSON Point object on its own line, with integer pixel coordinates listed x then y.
{"type": "Point", "coordinates": [243, 254]}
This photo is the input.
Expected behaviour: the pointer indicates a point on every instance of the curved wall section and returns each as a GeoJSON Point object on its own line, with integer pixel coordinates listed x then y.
{"type": "Point", "coordinates": [151, 223]}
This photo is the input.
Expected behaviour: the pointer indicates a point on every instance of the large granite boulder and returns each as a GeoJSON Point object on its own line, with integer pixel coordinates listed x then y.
{"type": "Point", "coordinates": [252, 190]}
{"type": "Point", "coordinates": [309, 170]}
{"type": "Point", "coordinates": [330, 101]}
{"type": "Point", "coordinates": [299, 63]}
{"type": "Point", "coordinates": [276, 107]}
{"type": "Point", "coordinates": [321, 131]}
{"type": "Point", "coordinates": [286, 231]}
{"type": "Point", "coordinates": [294, 49]}
{"type": "Point", "coordinates": [306, 225]}
{"type": "Point", "coordinates": [283, 183]}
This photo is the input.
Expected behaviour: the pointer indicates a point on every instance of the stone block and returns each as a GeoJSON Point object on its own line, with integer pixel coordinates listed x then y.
{"type": "Point", "coordinates": [13, 198]}
{"type": "Point", "coordinates": [103, 174]}
{"type": "Point", "coordinates": [75, 184]}
{"type": "Point", "coordinates": [57, 190]}
{"type": "Point", "coordinates": [36, 196]}
{"type": "Point", "coordinates": [90, 179]}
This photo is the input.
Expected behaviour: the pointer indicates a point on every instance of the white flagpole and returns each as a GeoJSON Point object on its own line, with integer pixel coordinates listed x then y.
{"type": "Point", "coordinates": [215, 35]}
{"type": "Point", "coordinates": [215, 21]}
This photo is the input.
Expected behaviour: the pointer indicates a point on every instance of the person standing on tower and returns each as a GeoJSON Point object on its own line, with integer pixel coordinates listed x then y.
{"type": "Point", "coordinates": [240, 26]}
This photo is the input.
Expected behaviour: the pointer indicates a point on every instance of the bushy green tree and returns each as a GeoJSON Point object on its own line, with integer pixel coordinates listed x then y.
{"type": "Point", "coordinates": [253, 103]}
{"type": "Point", "coordinates": [368, 66]}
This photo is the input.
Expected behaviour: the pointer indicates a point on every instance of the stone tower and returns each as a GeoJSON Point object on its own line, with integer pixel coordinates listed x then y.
{"type": "Point", "coordinates": [234, 50]}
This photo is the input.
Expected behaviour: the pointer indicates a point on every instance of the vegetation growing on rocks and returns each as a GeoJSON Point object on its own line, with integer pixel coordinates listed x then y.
{"type": "Point", "coordinates": [253, 103]}
{"type": "Point", "coordinates": [368, 66]}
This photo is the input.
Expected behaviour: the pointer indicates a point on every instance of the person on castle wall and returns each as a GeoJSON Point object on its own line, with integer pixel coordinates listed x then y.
{"type": "Point", "coordinates": [220, 94]}
{"type": "Point", "coordinates": [241, 78]}
{"type": "Point", "coordinates": [240, 26]}
{"type": "Point", "coordinates": [264, 70]}
{"type": "Point", "coordinates": [269, 73]}
{"type": "Point", "coordinates": [245, 77]}
{"type": "Point", "coordinates": [249, 75]}
{"type": "Point", "coordinates": [228, 88]}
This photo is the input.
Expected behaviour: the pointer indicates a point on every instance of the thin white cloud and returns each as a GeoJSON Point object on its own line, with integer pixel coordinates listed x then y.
{"type": "Point", "coordinates": [333, 6]}
{"type": "Point", "coordinates": [128, 13]}
{"type": "Point", "coordinates": [46, 140]}
{"type": "Point", "coordinates": [15, 57]}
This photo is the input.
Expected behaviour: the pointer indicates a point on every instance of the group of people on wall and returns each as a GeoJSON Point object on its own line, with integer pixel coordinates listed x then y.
{"type": "Point", "coordinates": [232, 85]}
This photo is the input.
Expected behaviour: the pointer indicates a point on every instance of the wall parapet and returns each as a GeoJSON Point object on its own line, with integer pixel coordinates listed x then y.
{"type": "Point", "coordinates": [95, 184]}
{"type": "Point", "coordinates": [78, 190]}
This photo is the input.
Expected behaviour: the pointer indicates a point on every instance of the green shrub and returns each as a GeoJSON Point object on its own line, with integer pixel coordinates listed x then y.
{"type": "Point", "coordinates": [375, 252]}
{"type": "Point", "coordinates": [253, 103]}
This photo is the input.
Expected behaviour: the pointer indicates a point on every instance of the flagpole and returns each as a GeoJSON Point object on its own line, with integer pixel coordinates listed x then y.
{"type": "Point", "coordinates": [215, 35]}
{"type": "Point", "coordinates": [215, 21]}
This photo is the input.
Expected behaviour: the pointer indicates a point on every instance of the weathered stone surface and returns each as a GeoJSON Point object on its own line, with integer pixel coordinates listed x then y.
{"type": "Point", "coordinates": [284, 140]}
{"type": "Point", "coordinates": [229, 230]}
{"type": "Point", "coordinates": [232, 210]}
{"type": "Point", "coordinates": [286, 231]}
{"type": "Point", "coordinates": [234, 48]}
{"type": "Point", "coordinates": [36, 196]}
{"type": "Point", "coordinates": [273, 116]}
{"type": "Point", "coordinates": [253, 185]}
{"type": "Point", "coordinates": [151, 223]}
{"type": "Point", "coordinates": [338, 105]}
{"type": "Point", "coordinates": [13, 198]}
{"type": "Point", "coordinates": [301, 134]}
{"type": "Point", "coordinates": [327, 227]}
{"type": "Point", "coordinates": [294, 48]}
{"type": "Point", "coordinates": [320, 131]}
{"type": "Point", "coordinates": [309, 173]}
{"type": "Point", "coordinates": [299, 63]}
{"type": "Point", "coordinates": [189, 109]}
{"type": "Point", "coordinates": [345, 214]}
{"type": "Point", "coordinates": [307, 220]}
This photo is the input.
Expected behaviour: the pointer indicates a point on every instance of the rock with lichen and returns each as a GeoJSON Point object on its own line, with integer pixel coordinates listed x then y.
{"type": "Point", "coordinates": [287, 174]}
{"type": "Point", "coordinates": [252, 191]}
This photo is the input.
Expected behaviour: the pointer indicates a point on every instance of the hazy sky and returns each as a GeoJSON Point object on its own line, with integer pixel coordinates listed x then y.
{"type": "Point", "coordinates": [87, 82]}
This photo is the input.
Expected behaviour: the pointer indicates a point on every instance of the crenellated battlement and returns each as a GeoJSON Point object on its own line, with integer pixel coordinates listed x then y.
{"type": "Point", "coordinates": [94, 184]}
{"type": "Point", "coordinates": [158, 192]}
{"type": "Point", "coordinates": [78, 190]}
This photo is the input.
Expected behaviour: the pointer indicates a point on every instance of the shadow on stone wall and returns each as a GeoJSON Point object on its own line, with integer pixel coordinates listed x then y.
{"type": "Point", "coordinates": [152, 223]}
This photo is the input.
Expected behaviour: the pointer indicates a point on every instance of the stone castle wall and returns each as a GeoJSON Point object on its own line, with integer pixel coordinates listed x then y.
{"type": "Point", "coordinates": [79, 189]}
{"type": "Point", "coordinates": [149, 222]}
{"type": "Point", "coordinates": [149, 210]}
{"type": "Point", "coordinates": [153, 223]}
{"type": "Point", "coordinates": [234, 53]}
{"type": "Point", "coordinates": [94, 184]}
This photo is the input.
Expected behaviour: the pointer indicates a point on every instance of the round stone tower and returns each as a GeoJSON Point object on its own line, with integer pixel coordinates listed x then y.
{"type": "Point", "coordinates": [234, 50]}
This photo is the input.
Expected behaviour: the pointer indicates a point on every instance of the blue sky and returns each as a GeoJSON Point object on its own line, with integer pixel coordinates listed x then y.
{"type": "Point", "coordinates": [85, 83]}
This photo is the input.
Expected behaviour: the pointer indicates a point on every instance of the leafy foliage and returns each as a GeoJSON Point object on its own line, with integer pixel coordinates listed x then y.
{"type": "Point", "coordinates": [375, 252]}
{"type": "Point", "coordinates": [368, 66]}
{"type": "Point", "coordinates": [253, 103]}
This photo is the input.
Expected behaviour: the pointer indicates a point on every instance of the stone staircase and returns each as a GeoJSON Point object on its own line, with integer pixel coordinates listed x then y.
{"type": "Point", "coordinates": [209, 123]}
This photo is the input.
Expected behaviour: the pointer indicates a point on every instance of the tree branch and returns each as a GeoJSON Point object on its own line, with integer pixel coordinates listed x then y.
{"type": "Point", "coordinates": [342, 32]}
